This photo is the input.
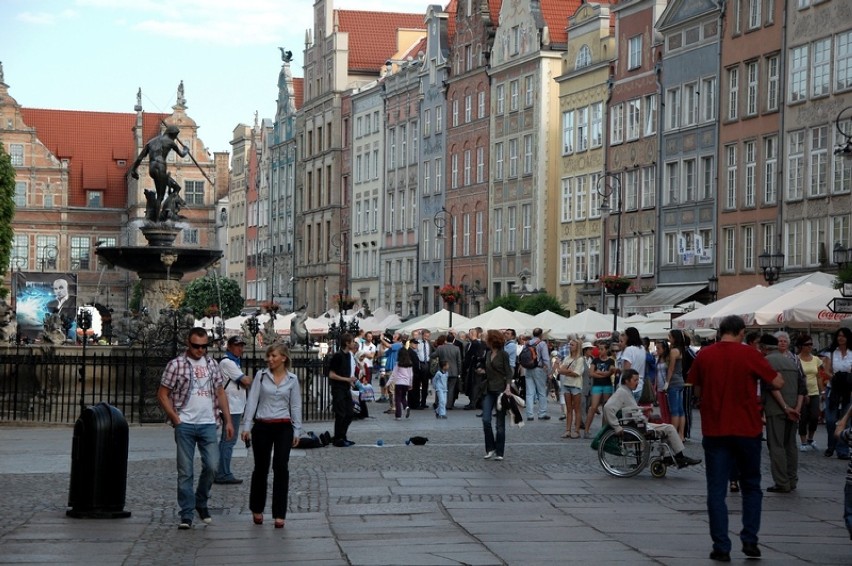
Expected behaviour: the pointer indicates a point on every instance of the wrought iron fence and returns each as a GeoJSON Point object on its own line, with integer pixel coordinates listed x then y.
{"type": "Point", "coordinates": [46, 388]}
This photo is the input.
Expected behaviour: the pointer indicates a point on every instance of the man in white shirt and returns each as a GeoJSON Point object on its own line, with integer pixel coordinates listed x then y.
{"type": "Point", "coordinates": [235, 385]}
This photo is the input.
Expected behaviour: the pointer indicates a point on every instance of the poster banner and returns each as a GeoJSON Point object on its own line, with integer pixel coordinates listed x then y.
{"type": "Point", "coordinates": [39, 294]}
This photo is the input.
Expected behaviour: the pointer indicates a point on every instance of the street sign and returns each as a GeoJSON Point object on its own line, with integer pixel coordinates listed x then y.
{"type": "Point", "coordinates": [840, 305]}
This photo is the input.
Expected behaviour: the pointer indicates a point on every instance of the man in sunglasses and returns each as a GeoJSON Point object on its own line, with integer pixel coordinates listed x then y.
{"type": "Point", "coordinates": [193, 399]}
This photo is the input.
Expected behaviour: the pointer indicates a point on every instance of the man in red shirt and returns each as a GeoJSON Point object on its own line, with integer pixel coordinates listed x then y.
{"type": "Point", "coordinates": [725, 376]}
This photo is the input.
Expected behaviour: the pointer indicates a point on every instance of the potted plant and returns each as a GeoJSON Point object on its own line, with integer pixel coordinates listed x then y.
{"type": "Point", "coordinates": [615, 284]}
{"type": "Point", "coordinates": [450, 293]}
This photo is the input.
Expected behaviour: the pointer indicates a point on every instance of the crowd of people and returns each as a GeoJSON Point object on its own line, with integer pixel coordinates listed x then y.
{"type": "Point", "coordinates": [752, 387]}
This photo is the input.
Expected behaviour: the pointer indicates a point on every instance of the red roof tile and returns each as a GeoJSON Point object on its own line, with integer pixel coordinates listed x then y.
{"type": "Point", "coordinates": [451, 9]}
{"type": "Point", "coordinates": [93, 142]}
{"type": "Point", "coordinates": [555, 13]}
{"type": "Point", "coordinates": [373, 36]}
{"type": "Point", "coordinates": [299, 91]}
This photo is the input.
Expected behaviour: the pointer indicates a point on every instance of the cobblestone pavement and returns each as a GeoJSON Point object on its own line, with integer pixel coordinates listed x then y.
{"type": "Point", "coordinates": [548, 502]}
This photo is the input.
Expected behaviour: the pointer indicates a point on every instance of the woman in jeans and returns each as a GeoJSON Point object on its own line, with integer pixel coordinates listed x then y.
{"type": "Point", "coordinates": [674, 381]}
{"type": "Point", "coordinates": [496, 379]}
{"type": "Point", "coordinates": [273, 423]}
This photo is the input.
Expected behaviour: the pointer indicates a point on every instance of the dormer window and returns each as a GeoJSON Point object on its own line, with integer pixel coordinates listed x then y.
{"type": "Point", "coordinates": [584, 58]}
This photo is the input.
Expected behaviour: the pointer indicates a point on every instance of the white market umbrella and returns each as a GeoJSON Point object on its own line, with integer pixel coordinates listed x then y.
{"type": "Point", "coordinates": [812, 311]}
{"type": "Point", "coordinates": [500, 319]}
{"type": "Point", "coordinates": [438, 322]}
{"type": "Point", "coordinates": [742, 304]}
{"type": "Point", "coordinates": [589, 324]}
{"type": "Point", "coordinates": [817, 278]}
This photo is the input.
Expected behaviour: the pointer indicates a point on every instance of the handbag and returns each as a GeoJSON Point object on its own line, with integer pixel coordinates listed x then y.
{"type": "Point", "coordinates": [647, 395]}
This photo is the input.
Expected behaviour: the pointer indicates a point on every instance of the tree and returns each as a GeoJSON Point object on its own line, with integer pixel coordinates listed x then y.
{"type": "Point", "coordinates": [510, 302]}
{"type": "Point", "coordinates": [204, 292]}
{"type": "Point", "coordinates": [533, 303]}
{"type": "Point", "coordinates": [7, 213]}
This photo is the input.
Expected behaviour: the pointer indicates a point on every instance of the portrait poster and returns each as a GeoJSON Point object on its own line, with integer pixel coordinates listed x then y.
{"type": "Point", "coordinates": [39, 295]}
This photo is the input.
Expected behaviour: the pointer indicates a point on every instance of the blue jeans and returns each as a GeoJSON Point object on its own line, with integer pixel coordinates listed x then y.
{"type": "Point", "coordinates": [536, 379]}
{"type": "Point", "coordinates": [226, 450]}
{"type": "Point", "coordinates": [832, 415]}
{"type": "Point", "coordinates": [187, 436]}
{"type": "Point", "coordinates": [721, 455]}
{"type": "Point", "coordinates": [488, 404]}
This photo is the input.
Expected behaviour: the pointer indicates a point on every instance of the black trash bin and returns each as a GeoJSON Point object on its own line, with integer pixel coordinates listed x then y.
{"type": "Point", "coordinates": [99, 464]}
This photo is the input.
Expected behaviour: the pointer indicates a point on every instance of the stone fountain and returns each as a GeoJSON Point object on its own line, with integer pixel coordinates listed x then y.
{"type": "Point", "coordinates": [160, 265]}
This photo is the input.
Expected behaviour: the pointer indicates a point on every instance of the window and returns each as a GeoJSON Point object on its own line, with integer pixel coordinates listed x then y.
{"type": "Point", "coordinates": [798, 73]}
{"type": "Point", "coordinates": [631, 256]}
{"type": "Point", "coordinates": [480, 105]}
{"type": "Point", "coordinates": [631, 189]}
{"type": "Point", "coordinates": [733, 93]}
{"type": "Point", "coordinates": [392, 149]}
{"type": "Point", "coordinates": [480, 164]}
{"type": "Point", "coordinates": [672, 182]}
{"type": "Point", "coordinates": [731, 176]}
{"type": "Point", "coordinates": [751, 93]}
{"type": "Point", "coordinates": [568, 132]}
{"type": "Point", "coordinates": [634, 117]}
{"type": "Point", "coordinates": [594, 258]}
{"type": "Point", "coordinates": [772, 85]}
{"type": "Point", "coordinates": [20, 253]}
{"type": "Point", "coordinates": [649, 187]}
{"type": "Point", "coordinates": [468, 108]}
{"type": "Point", "coordinates": [842, 166]}
{"type": "Point", "coordinates": [708, 90]}
{"type": "Point", "coordinates": [794, 239]}
{"type": "Point", "coordinates": [195, 192]}
{"type": "Point", "coordinates": [634, 52]}
{"type": "Point", "coordinates": [498, 230]}
{"type": "Point", "coordinates": [439, 174]}
{"type": "Point", "coordinates": [80, 252]}
{"type": "Point", "coordinates": [526, 238]}
{"type": "Point", "coordinates": [501, 99]}
{"type": "Point", "coordinates": [454, 171]}
{"type": "Point", "coordinates": [580, 198]}
{"type": "Point", "coordinates": [439, 119]}
{"type": "Point", "coordinates": [708, 177]}
{"type": "Point", "coordinates": [480, 228]}
{"type": "Point", "coordinates": [16, 152]}
{"type": "Point", "coordinates": [498, 161]}
{"type": "Point", "coordinates": [596, 128]}
{"type": "Point", "coordinates": [795, 164]}
{"type": "Point", "coordinates": [754, 13]}
{"type": "Point", "coordinates": [647, 254]}
{"type": "Point", "coordinates": [818, 162]}
{"type": "Point", "coordinates": [455, 111]}
{"type": "Point", "coordinates": [466, 234]}
{"type": "Point", "coordinates": [688, 180]}
{"type": "Point", "coordinates": [616, 124]}
{"type": "Point", "coordinates": [730, 251]}
{"type": "Point", "coordinates": [582, 129]}
{"type": "Point", "coordinates": [670, 249]}
{"type": "Point", "coordinates": [427, 123]}
{"type": "Point", "coordinates": [738, 15]}
{"type": "Point", "coordinates": [769, 237]}
{"type": "Point", "coordinates": [513, 158]}
{"type": "Point", "coordinates": [839, 230]}
{"type": "Point", "coordinates": [20, 194]}
{"type": "Point", "coordinates": [748, 248]}
{"type": "Point", "coordinates": [467, 167]}
{"type": "Point", "coordinates": [821, 69]}
{"type": "Point", "coordinates": [650, 115]}
{"type": "Point", "coordinates": [580, 273]}
{"type": "Point", "coordinates": [511, 244]}
{"type": "Point", "coordinates": [770, 169]}
{"type": "Point", "coordinates": [528, 154]}
{"type": "Point", "coordinates": [567, 199]}
{"type": "Point", "coordinates": [427, 171]}
{"type": "Point", "coordinates": [816, 240]}
{"type": "Point", "coordinates": [843, 61]}
{"type": "Point", "coordinates": [690, 104]}
{"type": "Point", "coordinates": [594, 196]}
{"type": "Point", "coordinates": [750, 150]}
{"type": "Point", "coordinates": [513, 95]}
{"type": "Point", "coordinates": [565, 262]}
{"type": "Point", "coordinates": [190, 235]}
{"type": "Point", "coordinates": [584, 58]}
{"type": "Point", "coordinates": [529, 91]}
{"type": "Point", "coordinates": [673, 108]}
{"type": "Point", "coordinates": [95, 199]}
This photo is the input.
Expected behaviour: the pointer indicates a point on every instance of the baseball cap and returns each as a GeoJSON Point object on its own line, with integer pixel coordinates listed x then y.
{"type": "Point", "coordinates": [236, 340]}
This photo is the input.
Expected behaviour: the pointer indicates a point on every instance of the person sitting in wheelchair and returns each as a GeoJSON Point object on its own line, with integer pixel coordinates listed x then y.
{"type": "Point", "coordinates": [623, 400]}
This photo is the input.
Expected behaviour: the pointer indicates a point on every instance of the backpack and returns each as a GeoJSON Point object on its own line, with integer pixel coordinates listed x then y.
{"type": "Point", "coordinates": [528, 358]}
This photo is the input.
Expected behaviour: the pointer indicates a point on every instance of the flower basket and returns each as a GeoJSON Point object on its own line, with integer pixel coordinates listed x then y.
{"type": "Point", "coordinates": [270, 307]}
{"type": "Point", "coordinates": [615, 284]}
{"type": "Point", "coordinates": [450, 293]}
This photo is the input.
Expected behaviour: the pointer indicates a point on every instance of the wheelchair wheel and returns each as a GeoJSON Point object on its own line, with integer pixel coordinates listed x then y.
{"type": "Point", "coordinates": [658, 468]}
{"type": "Point", "coordinates": [623, 456]}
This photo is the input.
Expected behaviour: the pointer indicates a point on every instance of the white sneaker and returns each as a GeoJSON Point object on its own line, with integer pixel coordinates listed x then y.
{"type": "Point", "coordinates": [813, 445]}
{"type": "Point", "coordinates": [499, 458]}
{"type": "Point", "coordinates": [490, 455]}
{"type": "Point", "coordinates": [805, 447]}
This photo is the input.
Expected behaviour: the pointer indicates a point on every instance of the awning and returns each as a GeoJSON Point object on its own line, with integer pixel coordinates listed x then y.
{"type": "Point", "coordinates": [665, 298]}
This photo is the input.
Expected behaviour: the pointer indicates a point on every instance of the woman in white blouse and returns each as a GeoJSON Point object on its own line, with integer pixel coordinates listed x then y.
{"type": "Point", "coordinates": [272, 422]}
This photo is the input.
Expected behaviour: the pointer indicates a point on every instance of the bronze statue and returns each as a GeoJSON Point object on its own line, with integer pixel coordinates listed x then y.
{"type": "Point", "coordinates": [157, 150]}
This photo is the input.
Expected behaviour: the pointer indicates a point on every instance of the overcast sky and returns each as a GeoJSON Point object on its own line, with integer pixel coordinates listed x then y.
{"type": "Point", "coordinates": [95, 54]}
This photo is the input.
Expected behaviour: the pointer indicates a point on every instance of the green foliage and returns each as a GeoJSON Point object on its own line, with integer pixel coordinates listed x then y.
{"type": "Point", "coordinates": [533, 303]}
{"type": "Point", "coordinates": [136, 296]}
{"type": "Point", "coordinates": [202, 293]}
{"type": "Point", "coordinates": [843, 276]}
{"type": "Point", "coordinates": [7, 213]}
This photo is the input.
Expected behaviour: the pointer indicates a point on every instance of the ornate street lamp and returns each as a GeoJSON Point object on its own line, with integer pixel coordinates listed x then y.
{"type": "Point", "coordinates": [609, 186]}
{"type": "Point", "coordinates": [844, 127]}
{"type": "Point", "coordinates": [442, 217]}
{"type": "Point", "coordinates": [254, 329]}
{"type": "Point", "coordinates": [713, 286]}
{"type": "Point", "coordinates": [771, 265]}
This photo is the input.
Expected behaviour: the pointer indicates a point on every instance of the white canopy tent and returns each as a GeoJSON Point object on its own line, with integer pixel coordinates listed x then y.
{"type": "Point", "coordinates": [589, 324]}
{"type": "Point", "coordinates": [501, 319]}
{"type": "Point", "coordinates": [739, 304]}
{"type": "Point", "coordinates": [437, 322]}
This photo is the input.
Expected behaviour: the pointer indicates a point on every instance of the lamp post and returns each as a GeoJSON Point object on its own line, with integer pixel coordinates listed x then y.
{"type": "Point", "coordinates": [609, 185]}
{"type": "Point", "coordinates": [844, 127]}
{"type": "Point", "coordinates": [771, 265]}
{"type": "Point", "coordinates": [442, 217]}
{"type": "Point", "coordinates": [47, 254]}
{"type": "Point", "coordinates": [416, 297]}
{"type": "Point", "coordinates": [713, 286]}
{"type": "Point", "coordinates": [254, 329]}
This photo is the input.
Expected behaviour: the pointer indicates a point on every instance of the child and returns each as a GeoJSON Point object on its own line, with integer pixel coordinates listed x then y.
{"type": "Point", "coordinates": [844, 434]}
{"type": "Point", "coordinates": [402, 376]}
{"type": "Point", "coordinates": [439, 383]}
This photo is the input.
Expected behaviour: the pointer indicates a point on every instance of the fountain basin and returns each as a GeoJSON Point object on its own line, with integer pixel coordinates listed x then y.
{"type": "Point", "coordinates": [148, 261]}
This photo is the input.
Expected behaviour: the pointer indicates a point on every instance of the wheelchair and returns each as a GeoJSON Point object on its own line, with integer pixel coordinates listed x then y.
{"type": "Point", "coordinates": [638, 446]}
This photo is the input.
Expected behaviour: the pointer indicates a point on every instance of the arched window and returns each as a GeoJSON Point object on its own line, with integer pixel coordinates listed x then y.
{"type": "Point", "coordinates": [584, 58]}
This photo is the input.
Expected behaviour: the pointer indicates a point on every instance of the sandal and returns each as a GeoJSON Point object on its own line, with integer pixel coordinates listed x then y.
{"type": "Point", "coordinates": [575, 434]}
{"type": "Point", "coordinates": [735, 486]}
{"type": "Point", "coordinates": [567, 434]}
{"type": "Point", "coordinates": [279, 523]}
{"type": "Point", "coordinates": [257, 518]}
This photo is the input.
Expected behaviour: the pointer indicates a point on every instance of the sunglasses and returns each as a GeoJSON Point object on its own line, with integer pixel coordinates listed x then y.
{"type": "Point", "coordinates": [198, 346]}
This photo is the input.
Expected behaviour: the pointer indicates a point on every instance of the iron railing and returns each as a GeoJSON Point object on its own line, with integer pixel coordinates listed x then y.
{"type": "Point", "coordinates": [46, 388]}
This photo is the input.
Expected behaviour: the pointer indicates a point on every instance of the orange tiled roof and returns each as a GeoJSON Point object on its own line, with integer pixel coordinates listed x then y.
{"type": "Point", "coordinates": [93, 142]}
{"type": "Point", "coordinates": [298, 91]}
{"type": "Point", "coordinates": [555, 13]}
{"type": "Point", "coordinates": [494, 7]}
{"type": "Point", "coordinates": [451, 9]}
{"type": "Point", "coordinates": [372, 36]}
{"type": "Point", "coordinates": [416, 49]}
